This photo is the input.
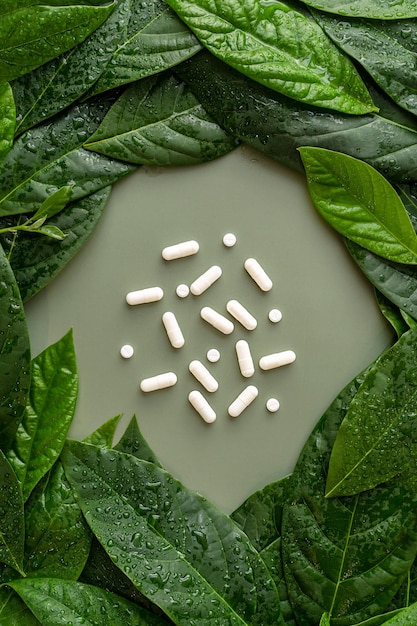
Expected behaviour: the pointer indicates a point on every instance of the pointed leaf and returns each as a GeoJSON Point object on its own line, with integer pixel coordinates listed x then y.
{"type": "Point", "coordinates": [53, 395]}
{"type": "Point", "coordinates": [392, 314]}
{"type": "Point", "coordinates": [104, 435]}
{"type": "Point", "coordinates": [54, 203]}
{"type": "Point", "coordinates": [13, 611]}
{"type": "Point", "coordinates": [158, 121]}
{"type": "Point", "coordinates": [7, 118]}
{"type": "Point", "coordinates": [405, 617]}
{"type": "Point", "coordinates": [360, 204]}
{"type": "Point", "coordinates": [133, 442]}
{"type": "Point", "coordinates": [376, 9]}
{"type": "Point", "coordinates": [12, 532]}
{"type": "Point", "coordinates": [51, 231]}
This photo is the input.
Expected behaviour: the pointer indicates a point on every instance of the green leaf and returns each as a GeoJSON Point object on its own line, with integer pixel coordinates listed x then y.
{"type": "Point", "coordinates": [392, 314]}
{"type": "Point", "coordinates": [376, 439]}
{"type": "Point", "coordinates": [12, 532]}
{"type": "Point", "coordinates": [51, 156]}
{"type": "Point", "coordinates": [54, 203]}
{"type": "Point", "coordinates": [36, 265]}
{"type": "Point", "coordinates": [58, 539]}
{"type": "Point", "coordinates": [168, 528]}
{"type": "Point", "coordinates": [325, 620]}
{"type": "Point", "coordinates": [50, 231]}
{"type": "Point", "coordinates": [360, 204]}
{"type": "Point", "coordinates": [104, 434]}
{"type": "Point", "coordinates": [58, 602]}
{"type": "Point", "coordinates": [375, 9]}
{"type": "Point", "coordinates": [405, 617]}
{"type": "Point", "coordinates": [32, 34]}
{"type": "Point", "coordinates": [158, 121]}
{"type": "Point", "coordinates": [279, 47]}
{"type": "Point", "coordinates": [7, 118]}
{"type": "Point", "coordinates": [13, 611]}
{"type": "Point", "coordinates": [53, 395]}
{"type": "Point", "coordinates": [347, 556]}
{"type": "Point", "coordinates": [154, 40]}
{"type": "Point", "coordinates": [133, 442]}
{"type": "Point", "coordinates": [14, 355]}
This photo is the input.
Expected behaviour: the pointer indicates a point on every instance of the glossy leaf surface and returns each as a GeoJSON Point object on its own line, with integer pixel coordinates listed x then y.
{"type": "Point", "coordinates": [158, 121]}
{"type": "Point", "coordinates": [104, 434]}
{"type": "Point", "coordinates": [32, 34]}
{"type": "Point", "coordinates": [12, 530]}
{"type": "Point", "coordinates": [280, 48]}
{"type": "Point", "coordinates": [13, 611]}
{"type": "Point", "coordinates": [375, 440]}
{"type": "Point", "coordinates": [360, 204]}
{"type": "Point", "coordinates": [391, 313]}
{"type": "Point", "coordinates": [7, 118]}
{"type": "Point", "coordinates": [49, 412]}
{"type": "Point", "coordinates": [376, 9]}
{"type": "Point", "coordinates": [133, 442]}
{"type": "Point", "coordinates": [168, 551]}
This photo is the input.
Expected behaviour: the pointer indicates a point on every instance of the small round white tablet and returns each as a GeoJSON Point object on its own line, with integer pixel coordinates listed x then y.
{"type": "Point", "coordinates": [127, 351]}
{"type": "Point", "coordinates": [229, 240]}
{"type": "Point", "coordinates": [182, 290]}
{"type": "Point", "coordinates": [213, 355]}
{"type": "Point", "coordinates": [275, 315]}
{"type": "Point", "coordinates": [272, 405]}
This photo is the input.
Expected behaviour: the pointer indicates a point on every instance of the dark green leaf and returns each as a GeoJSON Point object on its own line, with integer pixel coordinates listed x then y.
{"type": "Point", "coordinates": [265, 44]}
{"type": "Point", "coordinates": [376, 439]}
{"type": "Point", "coordinates": [158, 121]}
{"type": "Point", "coordinates": [58, 602]}
{"type": "Point", "coordinates": [13, 611]}
{"type": "Point", "coordinates": [14, 355]}
{"type": "Point", "coordinates": [392, 314]}
{"type": "Point", "coordinates": [7, 118]}
{"type": "Point", "coordinates": [104, 435]}
{"type": "Point", "coordinates": [346, 556]}
{"type": "Point", "coordinates": [53, 395]}
{"type": "Point", "coordinates": [133, 442]}
{"type": "Point", "coordinates": [168, 528]}
{"type": "Point", "coordinates": [376, 9]}
{"type": "Point", "coordinates": [360, 204]}
{"type": "Point", "coordinates": [31, 35]}
{"type": "Point", "coordinates": [12, 531]}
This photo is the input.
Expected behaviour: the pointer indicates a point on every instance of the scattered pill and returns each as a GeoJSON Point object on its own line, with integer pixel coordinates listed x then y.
{"type": "Point", "coordinates": [127, 351]}
{"type": "Point", "coordinates": [160, 381]}
{"type": "Point", "coordinates": [144, 296]}
{"type": "Point", "coordinates": [180, 250]}
{"type": "Point", "coordinates": [213, 355]}
{"type": "Point", "coordinates": [241, 314]}
{"type": "Point", "coordinates": [275, 316]}
{"type": "Point", "coordinates": [244, 359]}
{"type": "Point", "coordinates": [203, 282]}
{"type": "Point", "coordinates": [201, 373]}
{"type": "Point", "coordinates": [229, 240]}
{"type": "Point", "coordinates": [272, 405]}
{"type": "Point", "coordinates": [243, 400]}
{"type": "Point", "coordinates": [182, 290]}
{"type": "Point", "coordinates": [217, 320]}
{"type": "Point", "coordinates": [198, 401]}
{"type": "Point", "coordinates": [277, 359]}
{"type": "Point", "coordinates": [258, 274]}
{"type": "Point", "coordinates": [173, 330]}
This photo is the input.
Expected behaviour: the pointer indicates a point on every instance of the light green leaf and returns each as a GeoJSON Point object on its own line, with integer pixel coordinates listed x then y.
{"type": "Point", "coordinates": [12, 529]}
{"type": "Point", "coordinates": [360, 204]}
{"type": "Point", "coordinates": [54, 203]}
{"type": "Point", "coordinates": [280, 48]}
{"type": "Point", "coordinates": [7, 118]}
{"type": "Point", "coordinates": [406, 617]}
{"type": "Point", "coordinates": [51, 231]}
{"type": "Point", "coordinates": [375, 9]}
{"type": "Point", "coordinates": [104, 435]}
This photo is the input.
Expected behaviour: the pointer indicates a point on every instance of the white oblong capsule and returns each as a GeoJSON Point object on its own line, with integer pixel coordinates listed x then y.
{"type": "Point", "coordinates": [180, 250]}
{"type": "Point", "coordinates": [206, 280]}
{"type": "Point", "coordinates": [277, 359]}
{"type": "Point", "coordinates": [173, 330]}
{"type": "Point", "coordinates": [144, 296]}
{"type": "Point", "coordinates": [160, 381]}
{"type": "Point", "coordinates": [258, 274]}
{"type": "Point", "coordinates": [201, 373]}
{"type": "Point", "coordinates": [244, 358]}
{"type": "Point", "coordinates": [198, 401]}
{"type": "Point", "coordinates": [241, 314]}
{"type": "Point", "coordinates": [243, 400]}
{"type": "Point", "coordinates": [217, 320]}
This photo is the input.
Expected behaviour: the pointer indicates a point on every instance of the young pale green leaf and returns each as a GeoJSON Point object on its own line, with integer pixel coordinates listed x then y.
{"type": "Point", "coordinates": [279, 47]}
{"type": "Point", "coordinates": [49, 230]}
{"type": "Point", "coordinates": [392, 314]}
{"type": "Point", "coordinates": [325, 620]}
{"type": "Point", "coordinates": [360, 204]}
{"type": "Point", "coordinates": [156, 540]}
{"type": "Point", "coordinates": [12, 529]}
{"type": "Point", "coordinates": [14, 355]}
{"type": "Point", "coordinates": [133, 442]}
{"type": "Point", "coordinates": [57, 602]}
{"type": "Point", "coordinates": [158, 121]}
{"type": "Point", "coordinates": [104, 434]}
{"type": "Point", "coordinates": [406, 617]}
{"type": "Point", "coordinates": [13, 611]}
{"type": "Point", "coordinates": [346, 557]}
{"type": "Point", "coordinates": [155, 39]}
{"type": "Point", "coordinates": [7, 118]}
{"type": "Point", "coordinates": [54, 203]}
{"type": "Point", "coordinates": [49, 412]}
{"type": "Point", "coordinates": [375, 9]}
{"type": "Point", "coordinates": [31, 35]}
{"type": "Point", "coordinates": [376, 439]}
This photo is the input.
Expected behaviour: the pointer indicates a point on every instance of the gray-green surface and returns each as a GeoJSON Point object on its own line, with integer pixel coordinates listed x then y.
{"type": "Point", "coordinates": [329, 317]}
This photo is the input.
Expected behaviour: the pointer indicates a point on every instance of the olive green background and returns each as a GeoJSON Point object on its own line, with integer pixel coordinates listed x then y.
{"type": "Point", "coordinates": [330, 318]}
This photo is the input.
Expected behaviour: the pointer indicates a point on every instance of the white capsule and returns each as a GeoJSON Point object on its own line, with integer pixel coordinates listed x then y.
{"type": "Point", "coordinates": [258, 274]}
{"type": "Point", "coordinates": [272, 404]}
{"type": "Point", "coordinates": [144, 296]}
{"type": "Point", "coordinates": [127, 351]}
{"type": "Point", "coordinates": [201, 373]}
{"type": "Point", "coordinates": [277, 359]}
{"type": "Point", "coordinates": [203, 282]}
{"type": "Point", "coordinates": [217, 320]}
{"type": "Point", "coordinates": [243, 400]}
{"type": "Point", "coordinates": [241, 314]}
{"type": "Point", "coordinates": [180, 250]}
{"type": "Point", "coordinates": [213, 355]}
{"type": "Point", "coordinates": [173, 330]}
{"type": "Point", "coordinates": [229, 240]}
{"type": "Point", "coordinates": [182, 290]}
{"type": "Point", "coordinates": [244, 359]}
{"type": "Point", "coordinates": [275, 316]}
{"type": "Point", "coordinates": [160, 381]}
{"type": "Point", "coordinates": [198, 401]}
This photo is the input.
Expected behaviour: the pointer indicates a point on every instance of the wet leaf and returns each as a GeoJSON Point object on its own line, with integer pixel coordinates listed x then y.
{"type": "Point", "coordinates": [12, 532]}
{"type": "Point", "coordinates": [104, 434]}
{"type": "Point", "coordinates": [392, 314]}
{"type": "Point", "coordinates": [7, 118]}
{"type": "Point", "coordinates": [376, 9]}
{"type": "Point", "coordinates": [133, 442]}
{"type": "Point", "coordinates": [13, 611]}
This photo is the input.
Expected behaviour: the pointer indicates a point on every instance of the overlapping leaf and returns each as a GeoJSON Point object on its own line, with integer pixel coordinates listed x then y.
{"type": "Point", "coordinates": [376, 9]}
{"type": "Point", "coordinates": [13, 611]}
{"type": "Point", "coordinates": [12, 529]}
{"type": "Point", "coordinates": [7, 118]}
